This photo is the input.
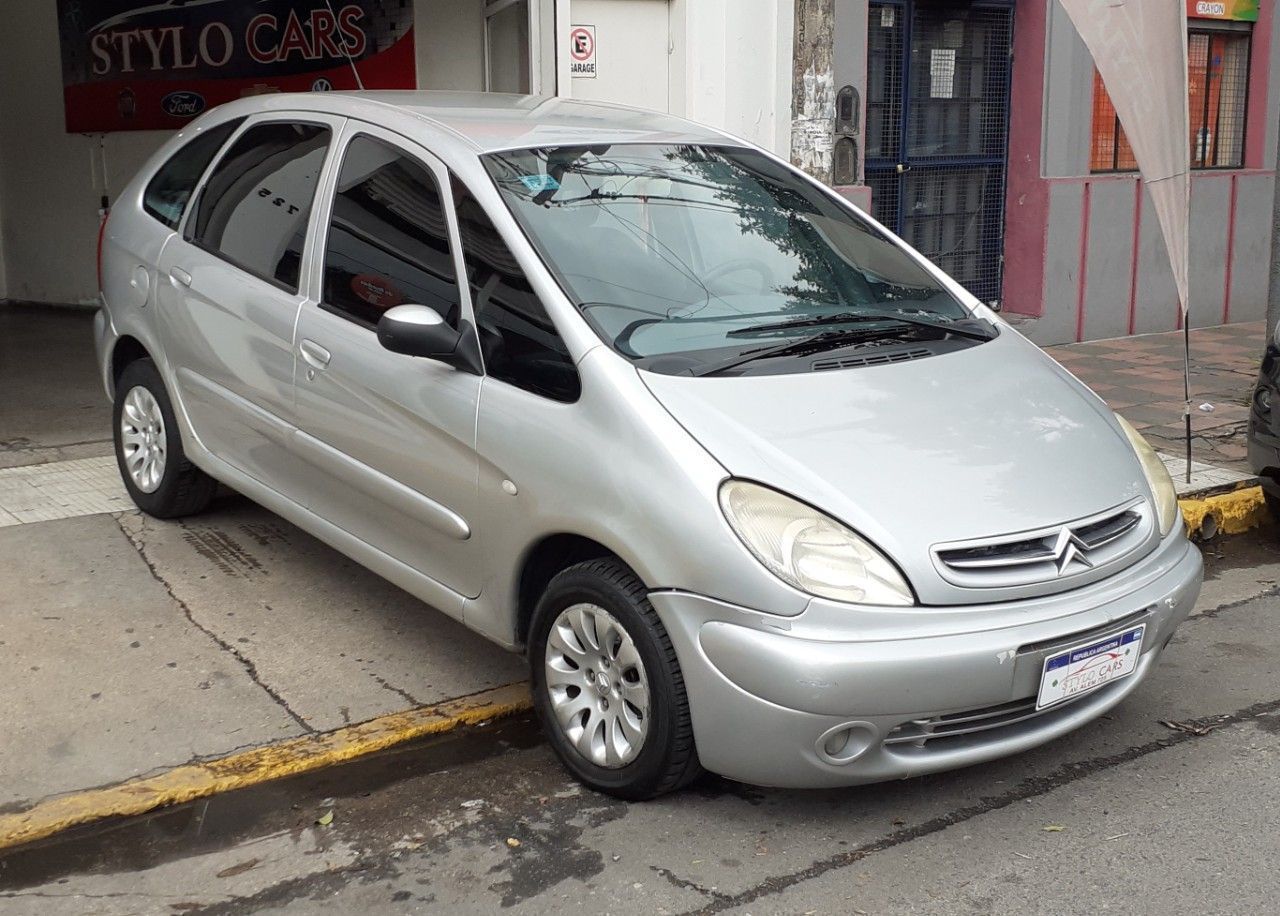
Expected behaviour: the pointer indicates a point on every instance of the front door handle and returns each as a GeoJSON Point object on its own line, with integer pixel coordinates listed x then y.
{"type": "Point", "coordinates": [179, 276]}
{"type": "Point", "coordinates": [316, 356]}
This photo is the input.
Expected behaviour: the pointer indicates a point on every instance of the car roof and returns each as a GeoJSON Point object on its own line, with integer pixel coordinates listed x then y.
{"type": "Point", "coordinates": [490, 121]}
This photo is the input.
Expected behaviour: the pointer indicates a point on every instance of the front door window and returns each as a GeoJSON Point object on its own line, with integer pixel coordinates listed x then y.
{"type": "Point", "coordinates": [388, 241]}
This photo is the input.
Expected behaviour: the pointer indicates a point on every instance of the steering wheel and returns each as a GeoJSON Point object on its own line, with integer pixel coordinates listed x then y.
{"type": "Point", "coordinates": [733, 265]}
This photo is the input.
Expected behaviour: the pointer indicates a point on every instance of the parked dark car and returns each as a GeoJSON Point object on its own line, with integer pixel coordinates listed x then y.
{"type": "Point", "coordinates": [1264, 424]}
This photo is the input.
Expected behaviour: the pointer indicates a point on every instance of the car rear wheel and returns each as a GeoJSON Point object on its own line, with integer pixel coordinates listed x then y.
{"type": "Point", "coordinates": [156, 472]}
{"type": "Point", "coordinates": [607, 685]}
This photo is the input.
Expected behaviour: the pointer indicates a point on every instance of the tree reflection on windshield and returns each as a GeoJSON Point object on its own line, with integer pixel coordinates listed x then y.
{"type": "Point", "coordinates": [673, 248]}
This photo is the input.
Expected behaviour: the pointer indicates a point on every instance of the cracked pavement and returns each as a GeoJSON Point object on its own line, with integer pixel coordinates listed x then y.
{"type": "Point", "coordinates": [1127, 814]}
{"type": "Point", "coordinates": [143, 644]}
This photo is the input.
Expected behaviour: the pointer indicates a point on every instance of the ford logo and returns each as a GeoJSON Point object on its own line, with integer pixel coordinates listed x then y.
{"type": "Point", "coordinates": [182, 104]}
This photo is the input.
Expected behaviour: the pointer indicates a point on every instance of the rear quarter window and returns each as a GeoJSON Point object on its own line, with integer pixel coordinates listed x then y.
{"type": "Point", "coordinates": [171, 187]}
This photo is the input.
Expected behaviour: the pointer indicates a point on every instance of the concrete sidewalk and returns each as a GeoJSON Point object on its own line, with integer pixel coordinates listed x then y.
{"type": "Point", "coordinates": [135, 645]}
{"type": "Point", "coordinates": [1141, 378]}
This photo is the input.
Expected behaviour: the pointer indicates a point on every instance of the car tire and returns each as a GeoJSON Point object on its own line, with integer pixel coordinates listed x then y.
{"type": "Point", "coordinates": [1273, 506]}
{"type": "Point", "coordinates": [145, 427]}
{"type": "Point", "coordinates": [637, 652]}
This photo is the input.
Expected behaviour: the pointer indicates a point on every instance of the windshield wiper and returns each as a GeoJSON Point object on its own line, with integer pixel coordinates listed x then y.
{"type": "Point", "coordinates": [823, 340]}
{"type": "Point", "coordinates": [973, 330]}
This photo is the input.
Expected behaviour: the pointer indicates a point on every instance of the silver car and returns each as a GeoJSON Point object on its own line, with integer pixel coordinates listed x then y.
{"type": "Point", "coordinates": [754, 486]}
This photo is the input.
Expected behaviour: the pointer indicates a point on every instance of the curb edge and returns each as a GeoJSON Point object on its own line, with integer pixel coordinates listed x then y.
{"type": "Point", "coordinates": [290, 757]}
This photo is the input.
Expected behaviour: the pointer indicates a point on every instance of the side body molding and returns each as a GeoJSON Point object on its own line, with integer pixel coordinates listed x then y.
{"type": "Point", "coordinates": [379, 486]}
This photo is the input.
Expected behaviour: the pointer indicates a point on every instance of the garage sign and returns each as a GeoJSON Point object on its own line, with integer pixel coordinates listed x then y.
{"type": "Point", "coordinates": [582, 52]}
{"type": "Point", "coordinates": [155, 64]}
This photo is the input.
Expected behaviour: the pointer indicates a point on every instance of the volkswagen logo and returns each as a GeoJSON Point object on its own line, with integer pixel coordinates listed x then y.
{"type": "Point", "coordinates": [182, 104]}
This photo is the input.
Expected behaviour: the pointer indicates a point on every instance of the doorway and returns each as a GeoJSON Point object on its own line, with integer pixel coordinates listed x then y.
{"type": "Point", "coordinates": [937, 131]}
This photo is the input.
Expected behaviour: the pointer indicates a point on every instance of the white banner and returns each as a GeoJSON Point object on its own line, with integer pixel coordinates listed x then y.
{"type": "Point", "coordinates": [1140, 49]}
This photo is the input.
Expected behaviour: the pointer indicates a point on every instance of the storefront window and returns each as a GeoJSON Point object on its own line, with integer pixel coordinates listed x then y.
{"type": "Point", "coordinates": [1218, 74]}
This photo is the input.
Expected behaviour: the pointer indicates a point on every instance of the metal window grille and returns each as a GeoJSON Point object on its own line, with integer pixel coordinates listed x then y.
{"type": "Point", "coordinates": [937, 131]}
{"type": "Point", "coordinates": [1218, 86]}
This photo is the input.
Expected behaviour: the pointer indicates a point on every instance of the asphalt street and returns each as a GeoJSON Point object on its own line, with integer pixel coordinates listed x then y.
{"type": "Point", "coordinates": [1169, 804]}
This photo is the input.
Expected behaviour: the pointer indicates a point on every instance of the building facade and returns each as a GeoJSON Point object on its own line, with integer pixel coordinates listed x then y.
{"type": "Point", "coordinates": [723, 62]}
{"type": "Point", "coordinates": [990, 145]}
{"type": "Point", "coordinates": [976, 130]}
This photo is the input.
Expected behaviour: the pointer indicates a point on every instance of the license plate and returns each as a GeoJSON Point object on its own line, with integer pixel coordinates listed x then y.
{"type": "Point", "coordinates": [1076, 671]}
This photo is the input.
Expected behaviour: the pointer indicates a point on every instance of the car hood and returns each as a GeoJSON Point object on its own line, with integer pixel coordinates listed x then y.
{"type": "Point", "coordinates": [987, 441]}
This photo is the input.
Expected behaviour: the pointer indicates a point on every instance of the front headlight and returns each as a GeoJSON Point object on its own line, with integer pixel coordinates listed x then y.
{"type": "Point", "coordinates": [807, 549]}
{"type": "Point", "coordinates": [1157, 477]}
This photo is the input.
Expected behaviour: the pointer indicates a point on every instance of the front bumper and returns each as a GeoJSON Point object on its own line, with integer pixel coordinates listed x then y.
{"type": "Point", "coordinates": [818, 700]}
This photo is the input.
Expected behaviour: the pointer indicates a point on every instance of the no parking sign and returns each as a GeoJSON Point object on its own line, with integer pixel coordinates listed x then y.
{"type": "Point", "coordinates": [582, 52]}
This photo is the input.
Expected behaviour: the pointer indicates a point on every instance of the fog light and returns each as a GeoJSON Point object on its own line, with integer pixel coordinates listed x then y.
{"type": "Point", "coordinates": [846, 743]}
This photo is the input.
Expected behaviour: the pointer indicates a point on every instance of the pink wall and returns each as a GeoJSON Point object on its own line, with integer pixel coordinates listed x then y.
{"type": "Point", "coordinates": [1026, 214]}
{"type": "Point", "coordinates": [1259, 59]}
{"type": "Point", "coordinates": [1027, 202]}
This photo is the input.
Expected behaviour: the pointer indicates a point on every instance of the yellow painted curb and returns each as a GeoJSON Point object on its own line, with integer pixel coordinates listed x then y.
{"type": "Point", "coordinates": [247, 768]}
{"type": "Point", "coordinates": [1224, 513]}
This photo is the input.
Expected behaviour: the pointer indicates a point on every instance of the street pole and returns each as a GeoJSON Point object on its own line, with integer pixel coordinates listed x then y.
{"type": "Point", "coordinates": [813, 90]}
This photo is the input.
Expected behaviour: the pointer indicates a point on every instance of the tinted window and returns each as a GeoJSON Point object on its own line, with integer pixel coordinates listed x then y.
{"type": "Point", "coordinates": [517, 337]}
{"type": "Point", "coordinates": [388, 241]}
{"type": "Point", "coordinates": [253, 209]}
{"type": "Point", "coordinates": [170, 188]}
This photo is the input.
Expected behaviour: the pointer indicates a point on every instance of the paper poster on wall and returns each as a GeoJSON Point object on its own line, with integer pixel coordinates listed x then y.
{"type": "Point", "coordinates": [138, 65]}
{"type": "Point", "coordinates": [942, 73]}
{"type": "Point", "coordinates": [582, 52]}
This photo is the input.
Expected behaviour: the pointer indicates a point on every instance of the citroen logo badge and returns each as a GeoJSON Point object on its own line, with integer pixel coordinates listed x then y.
{"type": "Point", "coordinates": [1068, 547]}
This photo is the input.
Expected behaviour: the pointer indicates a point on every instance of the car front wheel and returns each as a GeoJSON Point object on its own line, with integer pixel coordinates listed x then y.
{"type": "Point", "coordinates": [607, 684]}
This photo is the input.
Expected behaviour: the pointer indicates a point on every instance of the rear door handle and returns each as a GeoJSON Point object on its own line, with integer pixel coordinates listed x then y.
{"type": "Point", "coordinates": [180, 276]}
{"type": "Point", "coordinates": [316, 356]}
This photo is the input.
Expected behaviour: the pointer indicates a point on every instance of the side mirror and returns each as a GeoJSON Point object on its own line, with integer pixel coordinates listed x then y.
{"type": "Point", "coordinates": [419, 330]}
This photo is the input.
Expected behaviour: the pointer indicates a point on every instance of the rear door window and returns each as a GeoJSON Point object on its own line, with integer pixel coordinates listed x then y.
{"type": "Point", "coordinates": [254, 208]}
{"type": "Point", "coordinates": [171, 187]}
{"type": "Point", "coordinates": [388, 240]}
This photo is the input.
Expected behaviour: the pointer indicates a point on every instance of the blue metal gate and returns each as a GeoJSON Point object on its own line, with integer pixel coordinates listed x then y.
{"type": "Point", "coordinates": [937, 130]}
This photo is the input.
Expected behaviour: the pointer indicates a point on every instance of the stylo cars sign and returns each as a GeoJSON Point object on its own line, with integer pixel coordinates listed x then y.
{"type": "Point", "coordinates": [130, 65]}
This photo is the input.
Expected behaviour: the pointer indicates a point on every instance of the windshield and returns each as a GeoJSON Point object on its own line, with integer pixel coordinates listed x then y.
{"type": "Point", "coordinates": [704, 252]}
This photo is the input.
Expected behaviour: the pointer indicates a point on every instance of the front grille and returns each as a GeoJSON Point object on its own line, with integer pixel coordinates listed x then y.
{"type": "Point", "coordinates": [920, 731]}
{"type": "Point", "coordinates": [871, 359]}
{"type": "Point", "coordinates": [936, 731]}
{"type": "Point", "coordinates": [1049, 554]}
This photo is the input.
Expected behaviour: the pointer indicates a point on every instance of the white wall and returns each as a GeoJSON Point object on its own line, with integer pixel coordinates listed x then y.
{"type": "Point", "coordinates": [448, 38]}
{"type": "Point", "coordinates": [51, 181]}
{"type": "Point", "coordinates": [731, 67]}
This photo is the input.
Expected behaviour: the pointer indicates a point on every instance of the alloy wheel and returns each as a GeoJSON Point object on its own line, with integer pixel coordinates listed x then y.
{"type": "Point", "coordinates": [597, 685]}
{"type": "Point", "coordinates": [142, 439]}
